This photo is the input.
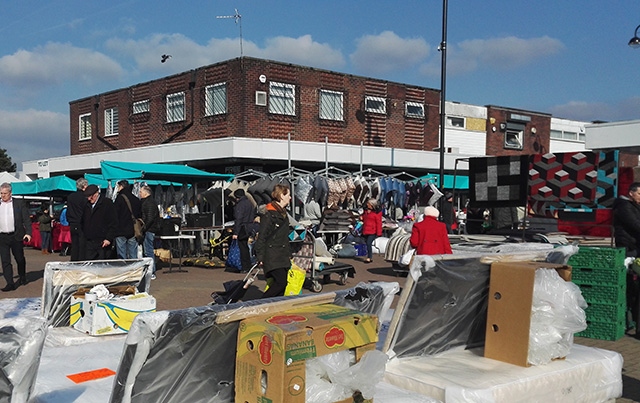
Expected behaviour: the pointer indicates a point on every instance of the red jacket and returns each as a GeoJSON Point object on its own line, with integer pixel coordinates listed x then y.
{"type": "Point", "coordinates": [372, 223]}
{"type": "Point", "coordinates": [429, 237]}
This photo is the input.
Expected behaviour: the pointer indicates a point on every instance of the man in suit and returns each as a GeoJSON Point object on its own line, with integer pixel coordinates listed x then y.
{"type": "Point", "coordinates": [76, 203]}
{"type": "Point", "coordinates": [15, 227]}
{"type": "Point", "coordinates": [99, 223]}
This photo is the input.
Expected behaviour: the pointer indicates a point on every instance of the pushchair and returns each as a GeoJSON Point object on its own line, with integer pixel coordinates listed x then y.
{"type": "Point", "coordinates": [235, 290]}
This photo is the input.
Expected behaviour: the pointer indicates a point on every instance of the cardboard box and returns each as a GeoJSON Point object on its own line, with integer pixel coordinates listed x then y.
{"type": "Point", "coordinates": [509, 309]}
{"type": "Point", "coordinates": [111, 316]}
{"type": "Point", "coordinates": [272, 349]}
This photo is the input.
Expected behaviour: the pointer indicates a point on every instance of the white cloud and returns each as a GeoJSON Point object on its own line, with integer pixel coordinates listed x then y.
{"type": "Point", "coordinates": [386, 52]}
{"type": "Point", "coordinates": [55, 63]}
{"type": "Point", "coordinates": [33, 134]}
{"type": "Point", "coordinates": [187, 54]}
{"type": "Point", "coordinates": [625, 109]}
{"type": "Point", "coordinates": [506, 53]}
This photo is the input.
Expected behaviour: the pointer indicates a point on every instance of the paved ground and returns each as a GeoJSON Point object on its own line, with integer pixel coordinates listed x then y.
{"type": "Point", "coordinates": [193, 288]}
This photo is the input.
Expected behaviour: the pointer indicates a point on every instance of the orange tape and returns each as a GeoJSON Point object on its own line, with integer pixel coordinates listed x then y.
{"type": "Point", "coordinates": [91, 375]}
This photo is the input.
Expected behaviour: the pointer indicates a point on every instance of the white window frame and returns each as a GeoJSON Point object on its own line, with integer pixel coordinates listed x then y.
{"type": "Point", "coordinates": [456, 121]}
{"type": "Point", "coordinates": [409, 114]}
{"type": "Point", "coordinates": [215, 99]}
{"type": "Point", "coordinates": [175, 104]}
{"type": "Point", "coordinates": [111, 122]}
{"type": "Point", "coordinates": [282, 98]}
{"type": "Point", "coordinates": [84, 132]}
{"type": "Point", "coordinates": [140, 106]}
{"type": "Point", "coordinates": [331, 105]}
{"type": "Point", "coordinates": [555, 134]}
{"type": "Point", "coordinates": [375, 105]}
{"type": "Point", "coordinates": [518, 135]}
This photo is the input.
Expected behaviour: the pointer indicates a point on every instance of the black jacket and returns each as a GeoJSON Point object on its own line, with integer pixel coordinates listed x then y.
{"type": "Point", "coordinates": [626, 225]}
{"type": "Point", "coordinates": [125, 222]}
{"type": "Point", "coordinates": [150, 216]}
{"type": "Point", "coordinates": [76, 203]}
{"type": "Point", "coordinates": [243, 215]}
{"type": "Point", "coordinates": [21, 219]}
{"type": "Point", "coordinates": [272, 246]}
{"type": "Point", "coordinates": [99, 223]}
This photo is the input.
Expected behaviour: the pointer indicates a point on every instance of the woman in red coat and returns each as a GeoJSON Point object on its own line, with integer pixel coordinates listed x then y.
{"type": "Point", "coordinates": [371, 226]}
{"type": "Point", "coordinates": [429, 236]}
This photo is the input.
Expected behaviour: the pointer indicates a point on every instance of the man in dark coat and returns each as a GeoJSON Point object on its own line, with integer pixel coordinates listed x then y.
{"type": "Point", "coordinates": [244, 214]}
{"type": "Point", "coordinates": [626, 220]}
{"type": "Point", "coordinates": [152, 223]}
{"type": "Point", "coordinates": [15, 227]}
{"type": "Point", "coordinates": [447, 211]}
{"type": "Point", "coordinates": [76, 203]}
{"type": "Point", "coordinates": [99, 223]}
{"type": "Point", "coordinates": [128, 207]}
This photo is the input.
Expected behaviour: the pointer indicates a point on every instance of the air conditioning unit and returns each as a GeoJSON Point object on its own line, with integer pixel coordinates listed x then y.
{"type": "Point", "coordinates": [261, 98]}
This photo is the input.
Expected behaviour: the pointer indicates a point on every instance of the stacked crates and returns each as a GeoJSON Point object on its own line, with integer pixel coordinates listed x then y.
{"type": "Point", "coordinates": [602, 277]}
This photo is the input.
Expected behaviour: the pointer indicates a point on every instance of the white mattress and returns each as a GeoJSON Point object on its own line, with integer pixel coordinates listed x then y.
{"type": "Point", "coordinates": [586, 375]}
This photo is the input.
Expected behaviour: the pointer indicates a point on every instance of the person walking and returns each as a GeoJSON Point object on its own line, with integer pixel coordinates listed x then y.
{"type": "Point", "coordinates": [44, 221]}
{"type": "Point", "coordinates": [272, 246]}
{"type": "Point", "coordinates": [152, 224]}
{"type": "Point", "coordinates": [371, 226]}
{"type": "Point", "coordinates": [244, 214]}
{"type": "Point", "coordinates": [429, 236]}
{"type": "Point", "coordinates": [76, 203]}
{"type": "Point", "coordinates": [65, 235]}
{"type": "Point", "coordinates": [626, 220]}
{"type": "Point", "coordinates": [99, 223]}
{"type": "Point", "coordinates": [128, 208]}
{"type": "Point", "coordinates": [15, 229]}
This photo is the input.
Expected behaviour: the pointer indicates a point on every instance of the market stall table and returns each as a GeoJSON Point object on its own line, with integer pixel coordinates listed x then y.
{"type": "Point", "coordinates": [178, 238]}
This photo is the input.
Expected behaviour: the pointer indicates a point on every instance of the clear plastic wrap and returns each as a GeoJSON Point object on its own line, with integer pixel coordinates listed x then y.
{"type": "Point", "coordinates": [557, 313]}
{"type": "Point", "coordinates": [63, 279]}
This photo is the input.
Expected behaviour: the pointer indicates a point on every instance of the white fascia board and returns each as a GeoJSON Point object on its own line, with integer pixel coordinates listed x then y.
{"type": "Point", "coordinates": [613, 135]}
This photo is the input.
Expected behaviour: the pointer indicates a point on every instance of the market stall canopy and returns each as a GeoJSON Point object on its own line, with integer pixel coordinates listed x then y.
{"type": "Point", "coordinates": [54, 186]}
{"type": "Point", "coordinates": [461, 181]}
{"type": "Point", "coordinates": [137, 170]}
{"type": "Point", "coordinates": [99, 180]}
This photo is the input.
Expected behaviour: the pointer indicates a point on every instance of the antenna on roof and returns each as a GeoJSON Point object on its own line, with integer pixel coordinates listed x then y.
{"type": "Point", "coordinates": [238, 19]}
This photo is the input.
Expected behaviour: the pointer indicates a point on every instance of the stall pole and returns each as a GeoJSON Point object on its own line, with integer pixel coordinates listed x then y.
{"type": "Point", "coordinates": [361, 156]}
{"type": "Point", "coordinates": [293, 201]}
{"type": "Point", "coordinates": [326, 154]}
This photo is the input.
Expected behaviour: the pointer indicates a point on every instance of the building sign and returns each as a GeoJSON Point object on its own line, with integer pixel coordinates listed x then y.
{"type": "Point", "coordinates": [43, 168]}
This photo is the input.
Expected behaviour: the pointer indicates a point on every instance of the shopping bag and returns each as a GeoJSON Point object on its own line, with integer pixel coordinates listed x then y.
{"type": "Point", "coordinates": [295, 280]}
{"type": "Point", "coordinates": [233, 256]}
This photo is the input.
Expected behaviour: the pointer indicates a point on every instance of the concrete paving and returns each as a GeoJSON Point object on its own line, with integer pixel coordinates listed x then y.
{"type": "Point", "coordinates": [178, 290]}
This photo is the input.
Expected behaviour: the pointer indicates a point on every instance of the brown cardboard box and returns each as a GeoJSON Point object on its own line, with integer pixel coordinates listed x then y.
{"type": "Point", "coordinates": [272, 349]}
{"type": "Point", "coordinates": [509, 310]}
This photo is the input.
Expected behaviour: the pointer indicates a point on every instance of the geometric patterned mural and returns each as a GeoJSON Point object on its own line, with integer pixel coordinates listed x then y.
{"type": "Point", "coordinates": [498, 181]}
{"type": "Point", "coordinates": [572, 181]}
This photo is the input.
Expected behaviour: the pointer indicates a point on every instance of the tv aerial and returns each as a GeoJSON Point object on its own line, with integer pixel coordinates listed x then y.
{"type": "Point", "coordinates": [238, 18]}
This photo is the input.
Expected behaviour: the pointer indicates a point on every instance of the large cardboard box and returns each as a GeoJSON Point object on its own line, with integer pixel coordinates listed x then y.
{"type": "Point", "coordinates": [509, 309]}
{"type": "Point", "coordinates": [272, 349]}
{"type": "Point", "coordinates": [110, 316]}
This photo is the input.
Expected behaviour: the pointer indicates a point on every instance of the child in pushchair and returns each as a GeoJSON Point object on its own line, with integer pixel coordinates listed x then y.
{"type": "Point", "coordinates": [235, 290]}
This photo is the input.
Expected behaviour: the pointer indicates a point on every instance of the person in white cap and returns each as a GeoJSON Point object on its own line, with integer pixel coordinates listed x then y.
{"type": "Point", "coordinates": [429, 236]}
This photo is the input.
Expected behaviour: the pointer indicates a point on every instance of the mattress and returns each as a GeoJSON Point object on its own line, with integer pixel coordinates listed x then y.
{"type": "Point", "coordinates": [586, 374]}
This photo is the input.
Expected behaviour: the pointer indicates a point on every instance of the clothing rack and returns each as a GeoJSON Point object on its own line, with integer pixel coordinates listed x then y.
{"type": "Point", "coordinates": [339, 173]}
{"type": "Point", "coordinates": [369, 172]}
{"type": "Point", "coordinates": [398, 174]}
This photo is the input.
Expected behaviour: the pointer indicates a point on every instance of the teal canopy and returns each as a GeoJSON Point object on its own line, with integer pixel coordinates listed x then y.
{"type": "Point", "coordinates": [99, 180]}
{"type": "Point", "coordinates": [54, 186]}
{"type": "Point", "coordinates": [136, 170]}
{"type": "Point", "coordinates": [462, 181]}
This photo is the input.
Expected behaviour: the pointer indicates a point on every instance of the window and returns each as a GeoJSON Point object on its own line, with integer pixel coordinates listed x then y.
{"type": "Point", "coordinates": [282, 98]}
{"type": "Point", "coordinates": [513, 139]}
{"type": "Point", "coordinates": [455, 121]}
{"type": "Point", "coordinates": [215, 102]}
{"type": "Point", "coordinates": [414, 110]}
{"type": "Point", "coordinates": [582, 137]}
{"type": "Point", "coordinates": [85, 126]}
{"type": "Point", "coordinates": [331, 105]}
{"type": "Point", "coordinates": [141, 106]}
{"type": "Point", "coordinates": [570, 135]}
{"type": "Point", "coordinates": [111, 122]}
{"type": "Point", "coordinates": [175, 107]}
{"type": "Point", "coordinates": [375, 105]}
{"type": "Point", "coordinates": [556, 134]}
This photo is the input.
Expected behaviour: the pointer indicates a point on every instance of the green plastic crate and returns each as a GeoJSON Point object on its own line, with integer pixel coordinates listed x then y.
{"type": "Point", "coordinates": [603, 330]}
{"type": "Point", "coordinates": [595, 257]}
{"type": "Point", "coordinates": [600, 276]}
{"type": "Point", "coordinates": [607, 312]}
{"type": "Point", "coordinates": [603, 294]}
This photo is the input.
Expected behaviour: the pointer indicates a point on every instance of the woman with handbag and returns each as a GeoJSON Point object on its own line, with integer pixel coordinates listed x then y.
{"type": "Point", "coordinates": [272, 245]}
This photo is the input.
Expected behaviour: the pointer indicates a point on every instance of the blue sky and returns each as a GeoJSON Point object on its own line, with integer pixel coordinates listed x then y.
{"type": "Point", "coordinates": [567, 58]}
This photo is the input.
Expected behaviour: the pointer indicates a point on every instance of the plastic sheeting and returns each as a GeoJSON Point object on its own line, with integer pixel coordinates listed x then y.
{"type": "Point", "coordinates": [184, 356]}
{"type": "Point", "coordinates": [63, 279]}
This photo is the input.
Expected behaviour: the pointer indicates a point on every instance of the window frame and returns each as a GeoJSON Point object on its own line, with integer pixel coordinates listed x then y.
{"type": "Point", "coordinates": [337, 111]}
{"type": "Point", "coordinates": [408, 114]}
{"type": "Point", "coordinates": [519, 134]}
{"type": "Point", "coordinates": [171, 105]}
{"type": "Point", "coordinates": [210, 92]}
{"type": "Point", "coordinates": [83, 126]}
{"type": "Point", "coordinates": [111, 122]}
{"type": "Point", "coordinates": [286, 94]}
{"type": "Point", "coordinates": [382, 101]}
{"type": "Point", "coordinates": [143, 106]}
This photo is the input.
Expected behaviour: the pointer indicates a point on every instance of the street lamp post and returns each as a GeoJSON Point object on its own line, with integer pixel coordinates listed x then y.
{"type": "Point", "coordinates": [443, 88]}
{"type": "Point", "coordinates": [635, 41]}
